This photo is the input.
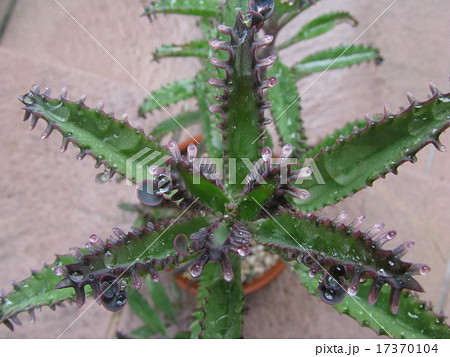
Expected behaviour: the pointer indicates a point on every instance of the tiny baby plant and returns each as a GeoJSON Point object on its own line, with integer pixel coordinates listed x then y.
{"type": "Point", "coordinates": [210, 205]}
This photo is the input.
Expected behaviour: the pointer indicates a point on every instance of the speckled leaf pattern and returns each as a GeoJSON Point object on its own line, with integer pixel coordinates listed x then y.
{"type": "Point", "coordinates": [354, 162]}
{"type": "Point", "coordinates": [39, 290]}
{"type": "Point", "coordinates": [36, 291]}
{"type": "Point", "coordinates": [326, 243]}
{"type": "Point", "coordinates": [285, 108]}
{"type": "Point", "coordinates": [113, 143]}
{"type": "Point", "coordinates": [415, 319]}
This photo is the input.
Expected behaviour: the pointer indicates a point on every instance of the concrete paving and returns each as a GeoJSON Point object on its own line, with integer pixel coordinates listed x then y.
{"type": "Point", "coordinates": [50, 202]}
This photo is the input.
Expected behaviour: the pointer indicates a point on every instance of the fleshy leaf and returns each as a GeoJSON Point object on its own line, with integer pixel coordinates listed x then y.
{"type": "Point", "coordinates": [354, 162]}
{"type": "Point", "coordinates": [196, 48]}
{"type": "Point", "coordinates": [143, 332]}
{"type": "Point", "coordinates": [243, 106]}
{"type": "Point", "coordinates": [330, 140]}
{"type": "Point", "coordinates": [333, 58]}
{"type": "Point", "coordinates": [286, 108]}
{"type": "Point", "coordinates": [169, 125]}
{"type": "Point", "coordinates": [330, 245]}
{"type": "Point", "coordinates": [113, 143]}
{"type": "Point", "coordinates": [161, 299]}
{"type": "Point", "coordinates": [195, 177]}
{"type": "Point", "coordinates": [168, 94]}
{"type": "Point", "coordinates": [285, 11]}
{"type": "Point", "coordinates": [205, 98]}
{"type": "Point", "coordinates": [184, 7]}
{"type": "Point", "coordinates": [36, 291]}
{"type": "Point", "coordinates": [145, 312]}
{"type": "Point", "coordinates": [414, 318]}
{"type": "Point", "coordinates": [319, 26]}
{"type": "Point", "coordinates": [207, 192]}
{"type": "Point", "coordinates": [137, 253]}
{"type": "Point", "coordinates": [220, 304]}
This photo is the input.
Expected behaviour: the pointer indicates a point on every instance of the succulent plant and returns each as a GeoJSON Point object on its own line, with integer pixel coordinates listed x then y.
{"type": "Point", "coordinates": [243, 188]}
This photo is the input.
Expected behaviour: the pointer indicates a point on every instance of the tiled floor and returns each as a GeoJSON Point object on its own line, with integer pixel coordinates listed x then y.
{"type": "Point", "coordinates": [50, 202]}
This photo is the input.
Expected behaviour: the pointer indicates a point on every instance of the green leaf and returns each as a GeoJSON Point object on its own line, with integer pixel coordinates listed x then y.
{"type": "Point", "coordinates": [205, 98]}
{"type": "Point", "coordinates": [169, 125]}
{"type": "Point", "coordinates": [379, 148]}
{"type": "Point", "coordinates": [221, 303]}
{"type": "Point", "coordinates": [160, 299]}
{"type": "Point", "coordinates": [285, 11]}
{"type": "Point", "coordinates": [144, 311]}
{"type": "Point", "coordinates": [319, 26]}
{"type": "Point", "coordinates": [206, 191]}
{"type": "Point", "coordinates": [168, 94]}
{"type": "Point", "coordinates": [333, 243]}
{"type": "Point", "coordinates": [414, 319]}
{"type": "Point", "coordinates": [145, 331]}
{"type": "Point", "coordinates": [286, 108]}
{"type": "Point", "coordinates": [36, 291]}
{"type": "Point", "coordinates": [184, 7]}
{"type": "Point", "coordinates": [182, 335]}
{"type": "Point", "coordinates": [196, 48]}
{"type": "Point", "coordinates": [129, 253]}
{"type": "Point", "coordinates": [242, 119]}
{"type": "Point", "coordinates": [333, 58]}
{"type": "Point", "coordinates": [250, 204]}
{"type": "Point", "coordinates": [231, 9]}
{"type": "Point", "coordinates": [111, 142]}
{"type": "Point", "coordinates": [330, 140]}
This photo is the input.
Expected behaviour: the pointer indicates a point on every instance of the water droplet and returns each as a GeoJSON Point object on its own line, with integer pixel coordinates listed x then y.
{"type": "Point", "coordinates": [328, 295]}
{"type": "Point", "coordinates": [313, 272]}
{"type": "Point", "coordinates": [58, 112]}
{"type": "Point", "coordinates": [28, 99]}
{"type": "Point", "coordinates": [76, 276]}
{"type": "Point", "coordinates": [123, 283]}
{"type": "Point", "coordinates": [155, 277]}
{"type": "Point", "coordinates": [352, 290]}
{"type": "Point", "coordinates": [243, 250]}
{"type": "Point", "coordinates": [60, 270]}
{"type": "Point", "coordinates": [228, 275]}
{"type": "Point", "coordinates": [196, 270]}
{"type": "Point", "coordinates": [416, 126]}
{"type": "Point", "coordinates": [103, 177]}
{"type": "Point", "coordinates": [108, 260]}
{"type": "Point", "coordinates": [147, 194]}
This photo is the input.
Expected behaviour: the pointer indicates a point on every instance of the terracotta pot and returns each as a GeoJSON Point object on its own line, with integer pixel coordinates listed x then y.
{"type": "Point", "coordinates": [254, 285]}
